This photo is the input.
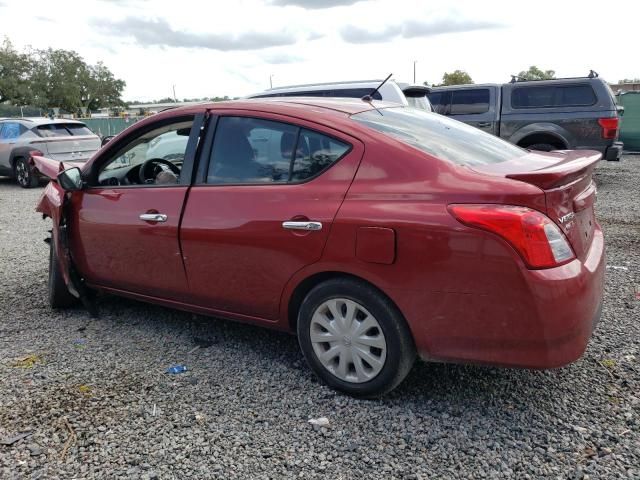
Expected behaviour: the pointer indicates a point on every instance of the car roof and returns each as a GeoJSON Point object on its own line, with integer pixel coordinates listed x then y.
{"type": "Point", "coordinates": [466, 85]}
{"type": "Point", "coordinates": [36, 121]}
{"type": "Point", "coordinates": [346, 106]}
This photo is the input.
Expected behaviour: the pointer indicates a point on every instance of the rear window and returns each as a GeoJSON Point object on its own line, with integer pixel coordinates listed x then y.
{"type": "Point", "coordinates": [546, 96]}
{"type": "Point", "coordinates": [63, 130]}
{"type": "Point", "coordinates": [440, 136]}
{"type": "Point", "coordinates": [470, 101]}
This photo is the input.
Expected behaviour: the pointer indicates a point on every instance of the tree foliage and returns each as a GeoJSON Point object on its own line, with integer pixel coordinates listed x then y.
{"type": "Point", "coordinates": [534, 73]}
{"type": "Point", "coordinates": [56, 79]}
{"type": "Point", "coordinates": [15, 69]}
{"type": "Point", "coordinates": [629, 80]}
{"type": "Point", "coordinates": [457, 77]}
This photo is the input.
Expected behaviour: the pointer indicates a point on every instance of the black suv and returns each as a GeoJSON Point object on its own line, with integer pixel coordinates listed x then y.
{"type": "Point", "coordinates": [559, 114]}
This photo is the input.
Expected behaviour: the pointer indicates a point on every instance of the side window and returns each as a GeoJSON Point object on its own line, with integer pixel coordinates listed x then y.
{"type": "Point", "coordinates": [576, 95]}
{"type": "Point", "coordinates": [553, 96]}
{"type": "Point", "coordinates": [251, 150]}
{"type": "Point", "coordinates": [153, 158]}
{"type": "Point", "coordinates": [10, 131]}
{"type": "Point", "coordinates": [255, 151]}
{"type": "Point", "coordinates": [440, 101]}
{"type": "Point", "coordinates": [315, 152]}
{"type": "Point", "coordinates": [470, 101]}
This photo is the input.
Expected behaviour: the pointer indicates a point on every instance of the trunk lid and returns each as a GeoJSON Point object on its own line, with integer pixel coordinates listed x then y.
{"type": "Point", "coordinates": [63, 149]}
{"type": "Point", "coordinates": [565, 177]}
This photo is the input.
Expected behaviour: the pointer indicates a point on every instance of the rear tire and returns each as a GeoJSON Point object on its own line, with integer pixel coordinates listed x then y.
{"type": "Point", "coordinates": [24, 174]}
{"type": "Point", "coordinates": [59, 296]}
{"type": "Point", "coordinates": [542, 147]}
{"type": "Point", "coordinates": [370, 348]}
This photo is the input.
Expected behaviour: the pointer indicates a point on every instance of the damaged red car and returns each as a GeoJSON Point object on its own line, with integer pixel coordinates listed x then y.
{"type": "Point", "coordinates": [378, 233]}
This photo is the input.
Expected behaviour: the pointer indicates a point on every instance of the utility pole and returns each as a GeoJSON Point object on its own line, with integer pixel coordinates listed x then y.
{"type": "Point", "coordinates": [174, 94]}
{"type": "Point", "coordinates": [414, 70]}
{"type": "Point", "coordinates": [271, 81]}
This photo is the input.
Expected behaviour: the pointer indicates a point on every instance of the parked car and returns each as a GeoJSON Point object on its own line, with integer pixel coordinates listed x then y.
{"type": "Point", "coordinates": [391, 91]}
{"type": "Point", "coordinates": [62, 140]}
{"type": "Point", "coordinates": [373, 231]}
{"type": "Point", "coordinates": [560, 114]}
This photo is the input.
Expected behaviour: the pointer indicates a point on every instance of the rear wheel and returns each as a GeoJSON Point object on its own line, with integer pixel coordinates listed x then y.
{"type": "Point", "coordinates": [24, 174]}
{"type": "Point", "coordinates": [354, 338]}
{"type": "Point", "coordinates": [59, 296]}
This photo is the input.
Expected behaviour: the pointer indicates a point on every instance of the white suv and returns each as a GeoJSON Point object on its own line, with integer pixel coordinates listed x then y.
{"type": "Point", "coordinates": [391, 91]}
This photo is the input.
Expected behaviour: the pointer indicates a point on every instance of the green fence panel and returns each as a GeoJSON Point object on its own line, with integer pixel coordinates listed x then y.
{"type": "Point", "coordinates": [630, 125]}
{"type": "Point", "coordinates": [108, 126]}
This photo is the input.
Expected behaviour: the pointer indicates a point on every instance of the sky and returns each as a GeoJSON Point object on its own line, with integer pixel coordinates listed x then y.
{"type": "Point", "coordinates": [236, 47]}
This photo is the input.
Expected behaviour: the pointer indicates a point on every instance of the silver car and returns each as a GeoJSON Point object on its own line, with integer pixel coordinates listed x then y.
{"type": "Point", "coordinates": [62, 140]}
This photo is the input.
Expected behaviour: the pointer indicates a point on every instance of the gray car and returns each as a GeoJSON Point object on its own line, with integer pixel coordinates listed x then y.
{"type": "Point", "coordinates": [560, 114]}
{"type": "Point", "coordinates": [63, 140]}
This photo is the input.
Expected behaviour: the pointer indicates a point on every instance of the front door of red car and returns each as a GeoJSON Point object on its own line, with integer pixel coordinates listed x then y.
{"type": "Point", "coordinates": [262, 209]}
{"type": "Point", "coordinates": [124, 228]}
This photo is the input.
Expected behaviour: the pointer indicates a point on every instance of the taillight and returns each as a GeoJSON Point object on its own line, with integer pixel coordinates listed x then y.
{"type": "Point", "coordinates": [538, 240]}
{"type": "Point", "coordinates": [609, 127]}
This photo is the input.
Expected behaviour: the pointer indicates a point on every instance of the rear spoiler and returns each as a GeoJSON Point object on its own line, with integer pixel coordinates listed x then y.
{"type": "Point", "coordinates": [576, 165]}
{"type": "Point", "coordinates": [416, 90]}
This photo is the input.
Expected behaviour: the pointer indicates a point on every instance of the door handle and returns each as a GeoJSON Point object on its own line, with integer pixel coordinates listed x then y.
{"type": "Point", "coordinates": [302, 225]}
{"type": "Point", "coordinates": [153, 217]}
{"type": "Point", "coordinates": [484, 124]}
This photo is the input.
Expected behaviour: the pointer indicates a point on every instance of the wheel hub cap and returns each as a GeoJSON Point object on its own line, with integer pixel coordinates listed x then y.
{"type": "Point", "coordinates": [347, 340]}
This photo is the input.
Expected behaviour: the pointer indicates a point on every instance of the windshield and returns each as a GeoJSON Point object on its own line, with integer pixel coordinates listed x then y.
{"type": "Point", "coordinates": [440, 136]}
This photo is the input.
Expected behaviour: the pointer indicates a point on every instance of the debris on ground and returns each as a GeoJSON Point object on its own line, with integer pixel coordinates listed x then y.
{"type": "Point", "coordinates": [320, 422]}
{"type": "Point", "coordinates": [176, 369]}
{"type": "Point", "coordinates": [27, 362]}
{"type": "Point", "coordinates": [15, 438]}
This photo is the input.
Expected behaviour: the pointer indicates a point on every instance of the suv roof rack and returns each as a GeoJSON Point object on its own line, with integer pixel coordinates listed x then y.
{"type": "Point", "coordinates": [516, 78]}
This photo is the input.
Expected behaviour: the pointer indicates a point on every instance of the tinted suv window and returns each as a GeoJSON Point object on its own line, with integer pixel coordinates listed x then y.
{"type": "Point", "coordinates": [440, 101]}
{"type": "Point", "coordinates": [468, 102]}
{"type": "Point", "coordinates": [545, 96]}
{"type": "Point", "coordinates": [440, 136]}
{"type": "Point", "coordinates": [254, 151]}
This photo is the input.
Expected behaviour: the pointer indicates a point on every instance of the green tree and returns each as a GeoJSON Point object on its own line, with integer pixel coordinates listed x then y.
{"type": "Point", "coordinates": [15, 68]}
{"type": "Point", "coordinates": [61, 78]}
{"type": "Point", "coordinates": [629, 80]}
{"type": "Point", "coordinates": [457, 77]}
{"type": "Point", "coordinates": [534, 73]}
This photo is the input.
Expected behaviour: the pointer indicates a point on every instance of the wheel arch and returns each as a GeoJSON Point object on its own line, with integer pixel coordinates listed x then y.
{"type": "Point", "coordinates": [303, 286]}
{"type": "Point", "coordinates": [542, 133]}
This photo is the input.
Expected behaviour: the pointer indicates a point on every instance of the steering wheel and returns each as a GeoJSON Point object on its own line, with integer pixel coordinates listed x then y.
{"type": "Point", "coordinates": [147, 173]}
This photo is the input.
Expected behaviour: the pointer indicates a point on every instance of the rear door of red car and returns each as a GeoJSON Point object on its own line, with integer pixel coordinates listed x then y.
{"type": "Point", "coordinates": [239, 249]}
{"type": "Point", "coordinates": [116, 240]}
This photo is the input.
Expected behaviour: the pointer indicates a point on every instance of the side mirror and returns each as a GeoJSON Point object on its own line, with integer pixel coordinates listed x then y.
{"type": "Point", "coordinates": [70, 180]}
{"type": "Point", "coordinates": [106, 140]}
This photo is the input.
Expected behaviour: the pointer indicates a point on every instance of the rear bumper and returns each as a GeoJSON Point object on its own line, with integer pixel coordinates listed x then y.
{"type": "Point", "coordinates": [613, 152]}
{"type": "Point", "coordinates": [545, 320]}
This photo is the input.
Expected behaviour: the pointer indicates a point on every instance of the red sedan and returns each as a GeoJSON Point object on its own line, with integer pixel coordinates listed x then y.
{"type": "Point", "coordinates": [376, 232]}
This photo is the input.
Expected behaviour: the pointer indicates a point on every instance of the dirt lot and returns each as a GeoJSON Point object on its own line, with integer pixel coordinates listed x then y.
{"type": "Point", "coordinates": [94, 397]}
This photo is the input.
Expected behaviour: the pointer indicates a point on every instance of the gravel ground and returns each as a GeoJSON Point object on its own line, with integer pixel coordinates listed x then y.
{"type": "Point", "coordinates": [98, 405]}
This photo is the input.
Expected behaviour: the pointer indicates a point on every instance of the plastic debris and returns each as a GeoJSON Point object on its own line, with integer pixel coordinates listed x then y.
{"type": "Point", "coordinates": [27, 362]}
{"type": "Point", "coordinates": [15, 438]}
{"type": "Point", "coordinates": [320, 422]}
{"type": "Point", "coordinates": [85, 389]}
{"type": "Point", "coordinates": [176, 369]}
{"type": "Point", "coordinates": [80, 343]}
{"type": "Point", "coordinates": [617, 267]}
